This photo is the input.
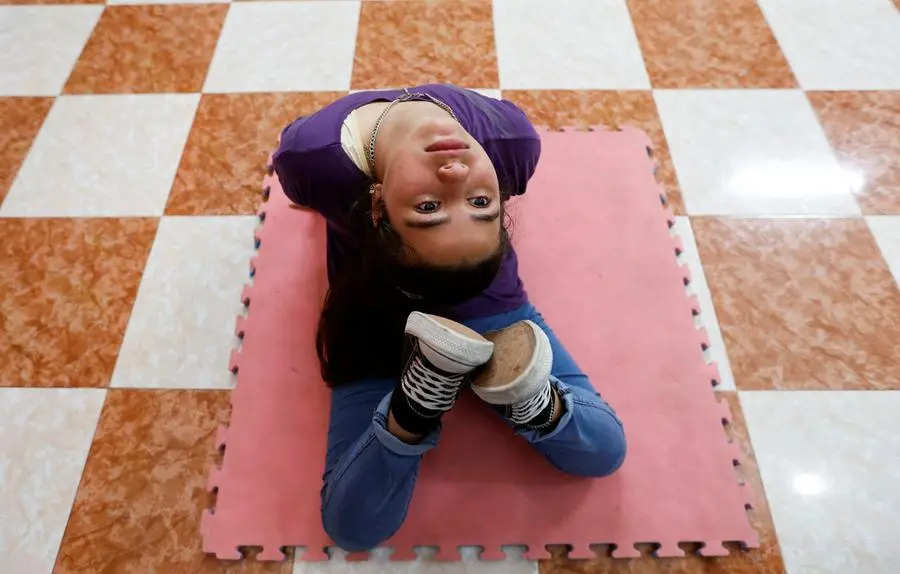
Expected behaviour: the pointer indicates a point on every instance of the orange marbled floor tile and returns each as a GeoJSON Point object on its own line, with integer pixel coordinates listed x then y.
{"type": "Point", "coordinates": [803, 303]}
{"type": "Point", "coordinates": [709, 45]}
{"type": "Point", "coordinates": [66, 291]}
{"type": "Point", "coordinates": [763, 560]}
{"type": "Point", "coordinates": [222, 167]}
{"type": "Point", "coordinates": [143, 489]}
{"type": "Point", "coordinates": [417, 42]}
{"type": "Point", "coordinates": [562, 108]}
{"type": "Point", "coordinates": [20, 120]}
{"type": "Point", "coordinates": [864, 130]}
{"type": "Point", "coordinates": [148, 48]}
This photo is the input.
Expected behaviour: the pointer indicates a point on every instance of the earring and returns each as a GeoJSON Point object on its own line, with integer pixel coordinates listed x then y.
{"type": "Point", "coordinates": [376, 207]}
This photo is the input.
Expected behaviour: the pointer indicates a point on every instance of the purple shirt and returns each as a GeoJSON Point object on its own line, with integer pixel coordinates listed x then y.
{"type": "Point", "coordinates": [316, 172]}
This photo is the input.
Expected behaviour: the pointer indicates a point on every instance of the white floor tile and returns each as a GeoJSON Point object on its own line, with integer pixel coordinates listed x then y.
{"type": "Point", "coordinates": [285, 46]}
{"type": "Point", "coordinates": [40, 45]}
{"type": "Point", "coordinates": [181, 330]}
{"type": "Point", "coordinates": [830, 464]}
{"type": "Point", "coordinates": [380, 564]}
{"type": "Point", "coordinates": [839, 45]}
{"type": "Point", "coordinates": [103, 156]}
{"type": "Point", "coordinates": [886, 229]}
{"type": "Point", "coordinates": [753, 152]}
{"type": "Point", "coordinates": [690, 256]}
{"type": "Point", "coordinates": [567, 44]}
{"type": "Point", "coordinates": [45, 435]}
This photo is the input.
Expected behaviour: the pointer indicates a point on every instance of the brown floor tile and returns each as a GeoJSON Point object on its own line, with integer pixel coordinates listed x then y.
{"type": "Point", "coordinates": [20, 120]}
{"type": "Point", "coordinates": [66, 291]}
{"type": "Point", "coordinates": [143, 489]}
{"type": "Point", "coordinates": [562, 108]}
{"type": "Point", "coordinates": [709, 45]}
{"type": "Point", "coordinates": [223, 163]}
{"type": "Point", "coordinates": [864, 130]}
{"type": "Point", "coordinates": [803, 303]}
{"type": "Point", "coordinates": [763, 560]}
{"type": "Point", "coordinates": [409, 43]}
{"type": "Point", "coordinates": [149, 48]}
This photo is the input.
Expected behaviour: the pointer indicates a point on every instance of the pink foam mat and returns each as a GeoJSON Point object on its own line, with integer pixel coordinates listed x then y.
{"type": "Point", "coordinates": [599, 261]}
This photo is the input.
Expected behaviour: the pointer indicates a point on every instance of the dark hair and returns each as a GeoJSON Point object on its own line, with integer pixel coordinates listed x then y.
{"type": "Point", "coordinates": [361, 328]}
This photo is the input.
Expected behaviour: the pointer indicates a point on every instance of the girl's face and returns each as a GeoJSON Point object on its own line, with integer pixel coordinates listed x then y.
{"type": "Point", "coordinates": [442, 196]}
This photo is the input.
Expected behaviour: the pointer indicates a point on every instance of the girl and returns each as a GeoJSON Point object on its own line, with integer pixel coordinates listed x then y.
{"type": "Point", "coordinates": [425, 298]}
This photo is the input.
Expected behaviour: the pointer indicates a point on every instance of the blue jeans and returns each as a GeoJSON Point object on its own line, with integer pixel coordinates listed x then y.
{"type": "Point", "coordinates": [370, 474]}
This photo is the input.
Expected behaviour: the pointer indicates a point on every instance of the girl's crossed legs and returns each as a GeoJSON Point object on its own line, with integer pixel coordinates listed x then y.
{"type": "Point", "coordinates": [370, 474]}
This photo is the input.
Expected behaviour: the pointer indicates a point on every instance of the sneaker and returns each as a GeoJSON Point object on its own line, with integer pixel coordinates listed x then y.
{"type": "Point", "coordinates": [443, 353]}
{"type": "Point", "coordinates": [517, 379]}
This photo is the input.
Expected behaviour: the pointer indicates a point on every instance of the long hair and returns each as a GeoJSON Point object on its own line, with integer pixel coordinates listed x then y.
{"type": "Point", "coordinates": [361, 328]}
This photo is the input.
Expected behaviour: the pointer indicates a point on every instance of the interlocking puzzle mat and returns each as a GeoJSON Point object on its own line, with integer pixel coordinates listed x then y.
{"type": "Point", "coordinates": [599, 261]}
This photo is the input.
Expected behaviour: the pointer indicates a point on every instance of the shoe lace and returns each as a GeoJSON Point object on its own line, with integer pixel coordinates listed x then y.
{"type": "Point", "coordinates": [431, 390]}
{"type": "Point", "coordinates": [524, 412]}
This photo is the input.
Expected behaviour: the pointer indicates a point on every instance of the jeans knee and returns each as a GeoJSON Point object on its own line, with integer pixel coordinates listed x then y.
{"type": "Point", "coordinates": [604, 459]}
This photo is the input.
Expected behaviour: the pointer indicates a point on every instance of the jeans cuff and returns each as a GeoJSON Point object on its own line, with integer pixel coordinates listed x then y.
{"type": "Point", "coordinates": [394, 444]}
{"type": "Point", "coordinates": [565, 397]}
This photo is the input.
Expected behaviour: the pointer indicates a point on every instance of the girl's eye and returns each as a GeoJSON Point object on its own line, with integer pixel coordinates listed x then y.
{"type": "Point", "coordinates": [480, 201]}
{"type": "Point", "coordinates": [428, 207]}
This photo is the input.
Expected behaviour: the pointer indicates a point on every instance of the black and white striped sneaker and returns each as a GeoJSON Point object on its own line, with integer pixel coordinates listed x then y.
{"type": "Point", "coordinates": [442, 354]}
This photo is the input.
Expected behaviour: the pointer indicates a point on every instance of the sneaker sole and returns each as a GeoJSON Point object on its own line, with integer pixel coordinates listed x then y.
{"type": "Point", "coordinates": [456, 342]}
{"type": "Point", "coordinates": [520, 366]}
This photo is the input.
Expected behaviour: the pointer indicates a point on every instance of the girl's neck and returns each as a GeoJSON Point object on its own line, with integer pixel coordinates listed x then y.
{"type": "Point", "coordinates": [399, 122]}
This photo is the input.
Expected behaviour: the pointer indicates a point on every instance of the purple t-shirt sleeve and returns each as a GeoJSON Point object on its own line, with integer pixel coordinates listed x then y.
{"type": "Point", "coordinates": [516, 158]}
{"type": "Point", "coordinates": [314, 170]}
{"type": "Point", "coordinates": [288, 164]}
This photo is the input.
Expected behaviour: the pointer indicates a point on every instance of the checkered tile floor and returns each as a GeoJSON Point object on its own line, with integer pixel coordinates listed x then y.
{"type": "Point", "coordinates": [131, 143]}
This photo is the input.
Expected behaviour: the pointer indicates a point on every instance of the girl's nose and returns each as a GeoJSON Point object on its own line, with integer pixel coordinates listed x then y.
{"type": "Point", "coordinates": [453, 172]}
